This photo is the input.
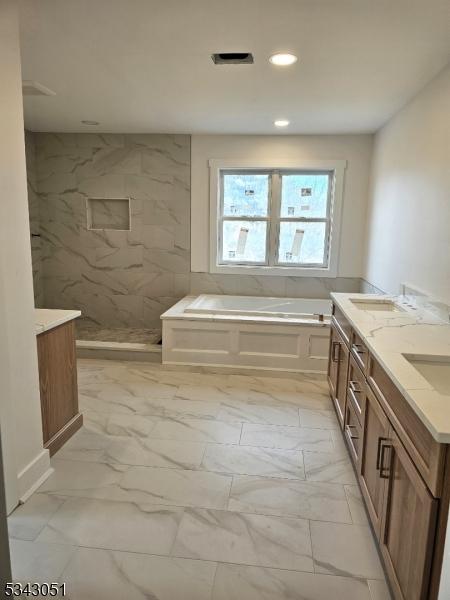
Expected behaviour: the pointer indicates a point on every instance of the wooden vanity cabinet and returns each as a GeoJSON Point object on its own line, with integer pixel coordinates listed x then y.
{"type": "Point", "coordinates": [337, 371]}
{"type": "Point", "coordinates": [408, 523]}
{"type": "Point", "coordinates": [399, 465]}
{"type": "Point", "coordinates": [58, 385]}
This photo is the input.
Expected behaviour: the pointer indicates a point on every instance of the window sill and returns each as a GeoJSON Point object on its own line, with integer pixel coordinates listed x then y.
{"type": "Point", "coordinates": [273, 271]}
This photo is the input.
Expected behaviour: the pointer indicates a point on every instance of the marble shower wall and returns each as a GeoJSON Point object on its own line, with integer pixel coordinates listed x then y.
{"type": "Point", "coordinates": [116, 278]}
{"type": "Point", "coordinates": [127, 278]}
{"type": "Point", "coordinates": [33, 209]}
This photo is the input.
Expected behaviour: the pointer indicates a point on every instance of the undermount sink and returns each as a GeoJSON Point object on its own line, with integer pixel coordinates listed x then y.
{"type": "Point", "coordinates": [435, 369]}
{"type": "Point", "coordinates": [376, 305]}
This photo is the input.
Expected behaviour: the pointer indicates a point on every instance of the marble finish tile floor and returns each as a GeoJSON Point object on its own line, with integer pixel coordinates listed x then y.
{"type": "Point", "coordinates": [187, 485]}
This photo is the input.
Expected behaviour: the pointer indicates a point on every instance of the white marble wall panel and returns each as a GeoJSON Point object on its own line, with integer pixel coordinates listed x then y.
{"type": "Point", "coordinates": [34, 213]}
{"type": "Point", "coordinates": [116, 278]}
{"type": "Point", "coordinates": [126, 278]}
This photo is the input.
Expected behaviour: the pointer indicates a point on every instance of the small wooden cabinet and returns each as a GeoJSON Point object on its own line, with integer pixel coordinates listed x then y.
{"type": "Point", "coordinates": [58, 385]}
{"type": "Point", "coordinates": [402, 471]}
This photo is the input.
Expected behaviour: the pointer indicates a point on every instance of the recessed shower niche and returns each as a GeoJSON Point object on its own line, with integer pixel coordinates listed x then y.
{"type": "Point", "coordinates": [108, 213]}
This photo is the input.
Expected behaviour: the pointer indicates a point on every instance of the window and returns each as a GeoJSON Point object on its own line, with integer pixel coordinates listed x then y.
{"type": "Point", "coordinates": [277, 220]}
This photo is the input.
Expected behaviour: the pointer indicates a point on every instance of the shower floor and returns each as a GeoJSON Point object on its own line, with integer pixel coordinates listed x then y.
{"type": "Point", "coordinates": [124, 335]}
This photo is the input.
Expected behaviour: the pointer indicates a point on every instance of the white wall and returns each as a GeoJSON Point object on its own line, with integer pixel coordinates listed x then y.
{"type": "Point", "coordinates": [355, 149]}
{"type": "Point", "coordinates": [408, 232]}
{"type": "Point", "coordinates": [20, 413]}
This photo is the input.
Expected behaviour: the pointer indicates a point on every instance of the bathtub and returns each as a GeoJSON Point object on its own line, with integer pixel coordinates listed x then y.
{"type": "Point", "coordinates": [253, 306]}
{"type": "Point", "coordinates": [280, 334]}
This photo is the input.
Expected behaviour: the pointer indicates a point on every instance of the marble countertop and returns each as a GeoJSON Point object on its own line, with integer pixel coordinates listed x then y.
{"type": "Point", "coordinates": [48, 318]}
{"type": "Point", "coordinates": [391, 335]}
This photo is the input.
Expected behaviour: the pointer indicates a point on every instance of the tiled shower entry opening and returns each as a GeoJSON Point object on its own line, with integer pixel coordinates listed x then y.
{"type": "Point", "coordinates": [118, 342]}
{"type": "Point", "coordinates": [89, 332]}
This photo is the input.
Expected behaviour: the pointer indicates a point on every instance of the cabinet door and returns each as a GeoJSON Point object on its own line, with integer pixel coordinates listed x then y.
{"type": "Point", "coordinates": [58, 378]}
{"type": "Point", "coordinates": [408, 524]}
{"type": "Point", "coordinates": [376, 432]}
{"type": "Point", "coordinates": [337, 372]}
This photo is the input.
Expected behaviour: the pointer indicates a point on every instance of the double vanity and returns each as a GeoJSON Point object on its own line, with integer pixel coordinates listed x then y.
{"type": "Point", "coordinates": [55, 334]}
{"type": "Point", "coordinates": [389, 379]}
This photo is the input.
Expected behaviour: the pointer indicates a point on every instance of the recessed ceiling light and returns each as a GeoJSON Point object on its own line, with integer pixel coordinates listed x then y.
{"type": "Point", "coordinates": [90, 122]}
{"type": "Point", "coordinates": [281, 123]}
{"type": "Point", "coordinates": [283, 59]}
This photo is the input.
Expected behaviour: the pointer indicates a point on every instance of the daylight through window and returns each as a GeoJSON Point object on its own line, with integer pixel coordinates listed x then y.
{"type": "Point", "coordinates": [275, 218]}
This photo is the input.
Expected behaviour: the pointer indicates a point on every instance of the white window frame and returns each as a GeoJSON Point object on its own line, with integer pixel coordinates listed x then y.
{"type": "Point", "coordinates": [336, 167]}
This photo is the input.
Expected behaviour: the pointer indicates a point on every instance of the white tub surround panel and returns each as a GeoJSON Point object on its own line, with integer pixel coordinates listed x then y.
{"type": "Point", "coordinates": [46, 318]}
{"type": "Point", "coordinates": [412, 331]}
{"type": "Point", "coordinates": [264, 341]}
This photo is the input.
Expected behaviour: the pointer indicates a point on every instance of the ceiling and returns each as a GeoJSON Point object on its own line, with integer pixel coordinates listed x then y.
{"type": "Point", "coordinates": [145, 65]}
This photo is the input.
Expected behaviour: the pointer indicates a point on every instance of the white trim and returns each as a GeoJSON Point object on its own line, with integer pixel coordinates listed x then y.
{"type": "Point", "coordinates": [34, 475]}
{"type": "Point", "coordinates": [338, 166]}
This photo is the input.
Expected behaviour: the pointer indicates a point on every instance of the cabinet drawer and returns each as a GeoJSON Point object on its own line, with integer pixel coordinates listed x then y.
{"type": "Point", "coordinates": [342, 323]}
{"type": "Point", "coordinates": [353, 433]}
{"type": "Point", "coordinates": [356, 390]}
{"type": "Point", "coordinates": [359, 351]}
{"type": "Point", "coordinates": [427, 454]}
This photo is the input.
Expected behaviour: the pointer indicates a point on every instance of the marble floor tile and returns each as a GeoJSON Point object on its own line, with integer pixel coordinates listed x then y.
{"type": "Point", "coordinates": [339, 444]}
{"type": "Point", "coordinates": [311, 401]}
{"type": "Point", "coordinates": [243, 412]}
{"type": "Point", "coordinates": [346, 550]}
{"type": "Point", "coordinates": [137, 426]}
{"type": "Point", "coordinates": [143, 485]}
{"type": "Point", "coordinates": [260, 540]}
{"type": "Point", "coordinates": [94, 574]}
{"type": "Point", "coordinates": [121, 388]}
{"type": "Point", "coordinates": [250, 460]}
{"type": "Point", "coordinates": [177, 487]}
{"type": "Point", "coordinates": [33, 561]}
{"type": "Point", "coordinates": [235, 582]}
{"type": "Point", "coordinates": [158, 407]}
{"type": "Point", "coordinates": [286, 438]}
{"type": "Point", "coordinates": [320, 419]}
{"type": "Point", "coordinates": [205, 393]}
{"type": "Point", "coordinates": [198, 430]}
{"type": "Point", "coordinates": [28, 519]}
{"type": "Point", "coordinates": [285, 497]}
{"type": "Point", "coordinates": [323, 466]}
{"type": "Point", "coordinates": [113, 525]}
{"type": "Point", "coordinates": [97, 447]}
{"type": "Point", "coordinates": [356, 505]}
{"type": "Point", "coordinates": [379, 590]}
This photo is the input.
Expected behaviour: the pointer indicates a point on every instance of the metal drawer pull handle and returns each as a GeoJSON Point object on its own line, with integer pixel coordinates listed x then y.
{"type": "Point", "coordinates": [352, 386]}
{"type": "Point", "coordinates": [348, 429]}
{"type": "Point", "coordinates": [359, 348]}
{"type": "Point", "coordinates": [383, 474]}
{"type": "Point", "coordinates": [380, 441]}
{"type": "Point", "coordinates": [333, 354]}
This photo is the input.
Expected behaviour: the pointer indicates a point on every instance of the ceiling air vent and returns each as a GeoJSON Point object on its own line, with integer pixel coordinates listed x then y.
{"type": "Point", "coordinates": [34, 88]}
{"type": "Point", "coordinates": [233, 58]}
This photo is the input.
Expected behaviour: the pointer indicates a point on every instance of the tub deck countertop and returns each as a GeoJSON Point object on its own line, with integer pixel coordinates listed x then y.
{"type": "Point", "coordinates": [178, 312]}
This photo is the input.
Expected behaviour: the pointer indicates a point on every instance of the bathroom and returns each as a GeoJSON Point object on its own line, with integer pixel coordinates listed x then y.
{"type": "Point", "coordinates": [225, 300]}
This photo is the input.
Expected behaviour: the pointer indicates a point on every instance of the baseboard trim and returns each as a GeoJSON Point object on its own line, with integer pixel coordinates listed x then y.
{"type": "Point", "coordinates": [64, 434]}
{"type": "Point", "coordinates": [33, 475]}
